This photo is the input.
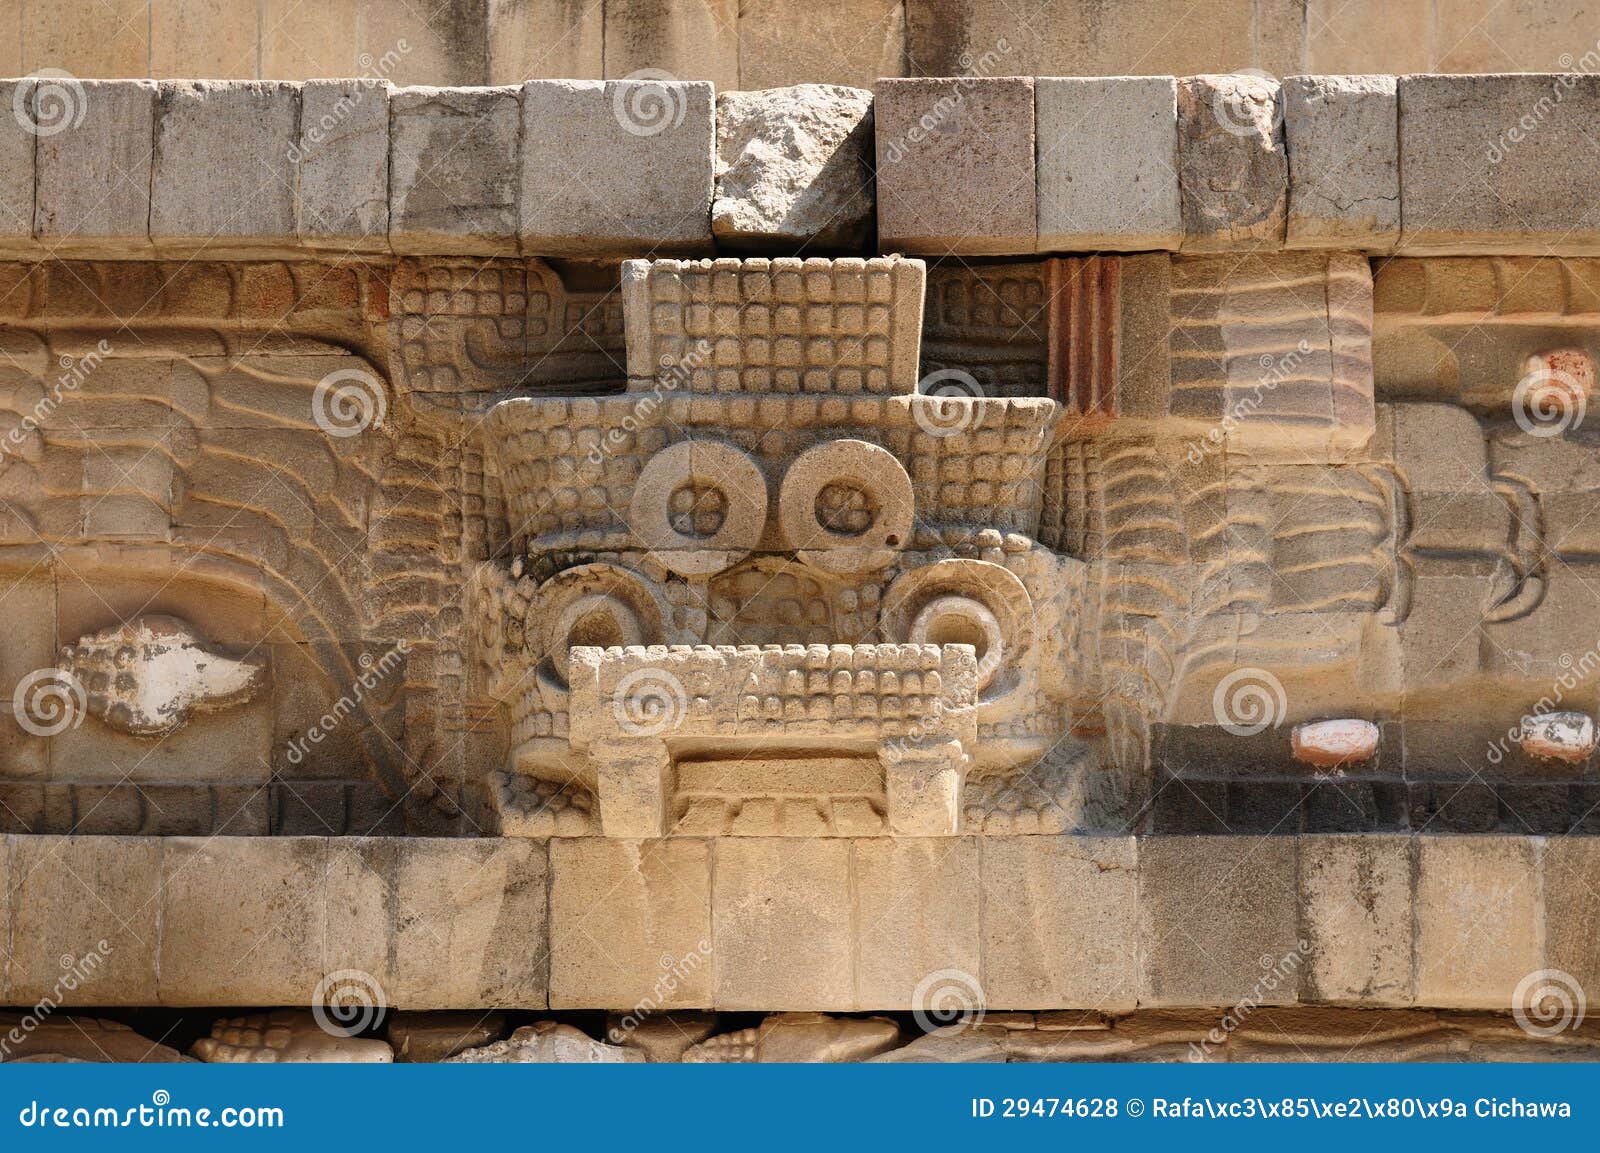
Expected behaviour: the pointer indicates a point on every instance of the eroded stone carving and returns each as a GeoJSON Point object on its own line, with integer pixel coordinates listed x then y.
{"type": "Point", "coordinates": [286, 1036]}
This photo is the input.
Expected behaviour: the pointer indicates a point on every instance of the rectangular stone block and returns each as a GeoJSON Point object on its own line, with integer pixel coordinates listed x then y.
{"type": "Point", "coordinates": [619, 167]}
{"type": "Point", "coordinates": [1355, 914]}
{"type": "Point", "coordinates": [93, 190]}
{"type": "Point", "coordinates": [203, 38]}
{"type": "Point", "coordinates": [781, 923]}
{"type": "Point", "coordinates": [853, 42]}
{"type": "Point", "coordinates": [917, 904]}
{"type": "Point", "coordinates": [1499, 164]}
{"type": "Point", "coordinates": [1218, 920]}
{"type": "Point", "coordinates": [224, 167]}
{"type": "Point", "coordinates": [956, 165]}
{"type": "Point", "coordinates": [1478, 920]}
{"type": "Point", "coordinates": [692, 39]}
{"type": "Point", "coordinates": [85, 914]}
{"type": "Point", "coordinates": [470, 925]}
{"type": "Point", "coordinates": [1571, 875]}
{"type": "Point", "coordinates": [1232, 170]}
{"type": "Point", "coordinates": [17, 140]}
{"type": "Point", "coordinates": [532, 41]}
{"type": "Point", "coordinates": [1342, 137]}
{"type": "Point", "coordinates": [630, 923]}
{"type": "Point", "coordinates": [359, 907]}
{"type": "Point", "coordinates": [1060, 922]}
{"type": "Point", "coordinates": [342, 199]}
{"type": "Point", "coordinates": [110, 39]}
{"type": "Point", "coordinates": [242, 920]}
{"type": "Point", "coordinates": [453, 170]}
{"type": "Point", "coordinates": [1107, 163]}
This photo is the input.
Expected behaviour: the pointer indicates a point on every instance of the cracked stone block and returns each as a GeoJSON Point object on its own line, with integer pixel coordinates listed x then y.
{"type": "Point", "coordinates": [620, 167]}
{"type": "Point", "coordinates": [794, 170]}
{"type": "Point", "coordinates": [956, 166]}
{"type": "Point", "coordinates": [224, 165]}
{"type": "Point", "coordinates": [1107, 163]}
{"type": "Point", "coordinates": [453, 170]}
{"type": "Point", "coordinates": [113, 141]}
{"type": "Point", "coordinates": [1342, 136]}
{"type": "Point", "coordinates": [1232, 170]}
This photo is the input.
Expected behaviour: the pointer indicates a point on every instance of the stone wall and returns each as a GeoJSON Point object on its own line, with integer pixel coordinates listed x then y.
{"type": "Point", "coordinates": [768, 43]}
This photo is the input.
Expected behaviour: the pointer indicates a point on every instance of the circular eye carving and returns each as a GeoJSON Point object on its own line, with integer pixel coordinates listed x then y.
{"type": "Point", "coordinates": [846, 506]}
{"type": "Point", "coordinates": [592, 604]}
{"type": "Point", "coordinates": [961, 601]}
{"type": "Point", "coordinates": [959, 620]}
{"type": "Point", "coordinates": [699, 505]}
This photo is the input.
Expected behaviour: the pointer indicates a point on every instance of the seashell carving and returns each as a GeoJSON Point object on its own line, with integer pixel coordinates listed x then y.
{"type": "Point", "coordinates": [146, 676]}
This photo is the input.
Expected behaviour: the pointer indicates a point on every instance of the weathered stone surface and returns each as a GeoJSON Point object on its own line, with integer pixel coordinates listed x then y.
{"type": "Point", "coordinates": [1478, 917]}
{"type": "Point", "coordinates": [794, 170]}
{"type": "Point", "coordinates": [17, 148]}
{"type": "Point", "coordinates": [547, 1042]}
{"type": "Point", "coordinates": [342, 199]}
{"type": "Point", "coordinates": [691, 39]}
{"type": "Point", "coordinates": [1060, 920]}
{"type": "Point", "coordinates": [917, 905]}
{"type": "Point", "coordinates": [951, 1045]}
{"type": "Point", "coordinates": [777, 898]}
{"type": "Point", "coordinates": [224, 168]}
{"type": "Point", "coordinates": [1232, 170]}
{"type": "Point", "coordinates": [427, 1037]}
{"type": "Point", "coordinates": [58, 1037]}
{"type": "Point", "coordinates": [854, 42]}
{"type": "Point", "coordinates": [1497, 164]}
{"type": "Point", "coordinates": [620, 168]}
{"type": "Point", "coordinates": [630, 921]}
{"type": "Point", "coordinates": [106, 127]}
{"type": "Point", "coordinates": [663, 1038]}
{"type": "Point", "coordinates": [1572, 909]}
{"type": "Point", "coordinates": [453, 170]}
{"type": "Point", "coordinates": [1356, 915]}
{"type": "Point", "coordinates": [1218, 920]}
{"type": "Point", "coordinates": [1107, 164]}
{"type": "Point", "coordinates": [799, 1038]}
{"type": "Point", "coordinates": [1342, 136]}
{"type": "Point", "coordinates": [956, 166]}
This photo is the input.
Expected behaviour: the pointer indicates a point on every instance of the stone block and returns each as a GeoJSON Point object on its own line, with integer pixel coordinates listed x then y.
{"type": "Point", "coordinates": [956, 166]}
{"type": "Point", "coordinates": [620, 167]}
{"type": "Point", "coordinates": [224, 168]}
{"type": "Point", "coordinates": [453, 170]}
{"type": "Point", "coordinates": [1342, 137]}
{"type": "Point", "coordinates": [917, 906]}
{"type": "Point", "coordinates": [545, 41]}
{"type": "Point", "coordinates": [299, 42]}
{"type": "Point", "coordinates": [1478, 920]}
{"type": "Point", "coordinates": [18, 139]}
{"type": "Point", "coordinates": [1107, 163]}
{"type": "Point", "coordinates": [630, 921]}
{"type": "Point", "coordinates": [853, 42]}
{"type": "Point", "coordinates": [1340, 36]}
{"type": "Point", "coordinates": [85, 919]}
{"type": "Point", "coordinates": [781, 923]}
{"type": "Point", "coordinates": [111, 39]}
{"type": "Point", "coordinates": [1355, 914]}
{"type": "Point", "coordinates": [1572, 910]}
{"type": "Point", "coordinates": [216, 38]}
{"type": "Point", "coordinates": [113, 142]}
{"type": "Point", "coordinates": [470, 926]}
{"type": "Point", "coordinates": [1060, 922]}
{"type": "Point", "coordinates": [1498, 164]}
{"type": "Point", "coordinates": [242, 920]}
{"type": "Point", "coordinates": [794, 170]}
{"type": "Point", "coordinates": [1233, 173]}
{"type": "Point", "coordinates": [342, 200]}
{"type": "Point", "coordinates": [1218, 920]}
{"type": "Point", "coordinates": [680, 39]}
